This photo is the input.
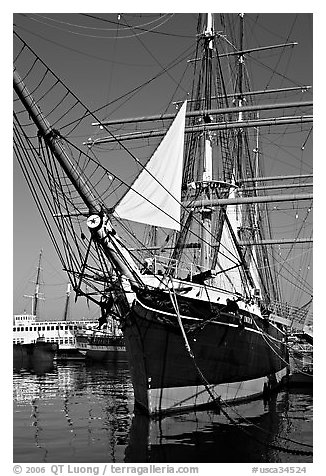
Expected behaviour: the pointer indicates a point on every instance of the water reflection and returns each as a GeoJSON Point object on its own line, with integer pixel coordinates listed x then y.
{"type": "Point", "coordinates": [79, 412]}
{"type": "Point", "coordinates": [254, 436]}
{"type": "Point", "coordinates": [24, 362]}
{"type": "Point", "coordinates": [72, 413]}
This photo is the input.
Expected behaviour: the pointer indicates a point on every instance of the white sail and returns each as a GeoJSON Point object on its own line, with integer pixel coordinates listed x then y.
{"type": "Point", "coordinates": [155, 196]}
{"type": "Point", "coordinates": [253, 267]}
{"type": "Point", "coordinates": [228, 262]}
{"type": "Point", "coordinates": [228, 257]}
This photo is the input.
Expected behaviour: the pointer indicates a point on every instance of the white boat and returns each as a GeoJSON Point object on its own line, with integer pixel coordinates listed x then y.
{"type": "Point", "coordinates": [28, 329]}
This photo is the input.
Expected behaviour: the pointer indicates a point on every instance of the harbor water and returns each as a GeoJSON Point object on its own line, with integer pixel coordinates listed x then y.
{"type": "Point", "coordinates": [80, 412]}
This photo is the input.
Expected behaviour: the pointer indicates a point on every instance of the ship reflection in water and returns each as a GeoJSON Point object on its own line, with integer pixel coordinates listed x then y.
{"type": "Point", "coordinates": [83, 413]}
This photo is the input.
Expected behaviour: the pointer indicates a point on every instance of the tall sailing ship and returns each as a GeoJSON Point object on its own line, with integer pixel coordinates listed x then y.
{"type": "Point", "coordinates": [183, 254]}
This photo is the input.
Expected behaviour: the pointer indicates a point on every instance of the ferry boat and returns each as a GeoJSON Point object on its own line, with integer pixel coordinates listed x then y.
{"type": "Point", "coordinates": [27, 331]}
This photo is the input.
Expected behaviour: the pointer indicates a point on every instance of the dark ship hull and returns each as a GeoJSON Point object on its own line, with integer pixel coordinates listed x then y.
{"type": "Point", "coordinates": [40, 351]}
{"type": "Point", "coordinates": [238, 356]}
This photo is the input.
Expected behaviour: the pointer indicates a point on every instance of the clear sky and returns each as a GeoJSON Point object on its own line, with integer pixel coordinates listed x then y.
{"type": "Point", "coordinates": [100, 58]}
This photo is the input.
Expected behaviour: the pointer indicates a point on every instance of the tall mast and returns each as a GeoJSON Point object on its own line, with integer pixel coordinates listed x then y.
{"type": "Point", "coordinates": [253, 252]}
{"type": "Point", "coordinates": [207, 173]}
{"type": "Point", "coordinates": [241, 220]}
{"type": "Point", "coordinates": [240, 100]}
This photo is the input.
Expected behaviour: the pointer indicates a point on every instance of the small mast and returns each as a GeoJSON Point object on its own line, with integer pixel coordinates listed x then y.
{"type": "Point", "coordinates": [68, 293]}
{"type": "Point", "coordinates": [37, 285]}
{"type": "Point", "coordinates": [36, 296]}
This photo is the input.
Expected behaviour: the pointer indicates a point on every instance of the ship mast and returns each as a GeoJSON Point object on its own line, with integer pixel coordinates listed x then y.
{"type": "Point", "coordinates": [36, 296]}
{"type": "Point", "coordinates": [240, 98]}
{"type": "Point", "coordinates": [241, 162]}
{"type": "Point", "coordinates": [37, 285]}
{"type": "Point", "coordinates": [207, 174]}
{"type": "Point", "coordinates": [68, 292]}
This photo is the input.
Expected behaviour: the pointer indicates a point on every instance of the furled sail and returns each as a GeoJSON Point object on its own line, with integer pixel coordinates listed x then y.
{"type": "Point", "coordinates": [155, 196]}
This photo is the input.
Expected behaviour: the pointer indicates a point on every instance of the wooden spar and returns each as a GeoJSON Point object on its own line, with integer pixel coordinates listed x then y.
{"type": "Point", "coordinates": [251, 50]}
{"type": "Point", "coordinates": [54, 144]}
{"type": "Point", "coordinates": [282, 241]}
{"type": "Point", "coordinates": [86, 213]}
{"type": "Point", "coordinates": [223, 201]}
{"type": "Point", "coordinates": [271, 187]}
{"type": "Point", "coordinates": [276, 121]}
{"type": "Point", "coordinates": [163, 248]}
{"type": "Point", "coordinates": [225, 110]}
{"type": "Point", "coordinates": [245, 200]}
{"type": "Point", "coordinates": [254, 93]}
{"type": "Point", "coordinates": [275, 177]}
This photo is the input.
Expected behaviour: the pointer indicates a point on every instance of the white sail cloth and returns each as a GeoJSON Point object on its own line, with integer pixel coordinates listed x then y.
{"type": "Point", "coordinates": [155, 196]}
{"type": "Point", "coordinates": [229, 263]}
{"type": "Point", "coordinates": [228, 257]}
{"type": "Point", "coordinates": [231, 278]}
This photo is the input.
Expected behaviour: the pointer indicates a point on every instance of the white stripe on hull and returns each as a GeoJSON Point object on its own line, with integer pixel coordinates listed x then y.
{"type": "Point", "coordinates": [176, 399]}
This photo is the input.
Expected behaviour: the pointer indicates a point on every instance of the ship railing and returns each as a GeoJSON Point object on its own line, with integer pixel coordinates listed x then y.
{"type": "Point", "coordinates": [297, 316]}
{"type": "Point", "coordinates": [163, 266]}
{"type": "Point", "coordinates": [175, 268]}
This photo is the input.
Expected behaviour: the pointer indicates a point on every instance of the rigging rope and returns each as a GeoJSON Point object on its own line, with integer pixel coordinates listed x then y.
{"type": "Point", "coordinates": [102, 19]}
{"type": "Point", "coordinates": [76, 123]}
{"type": "Point", "coordinates": [132, 155]}
{"type": "Point", "coordinates": [217, 399]}
{"type": "Point", "coordinates": [101, 36]}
